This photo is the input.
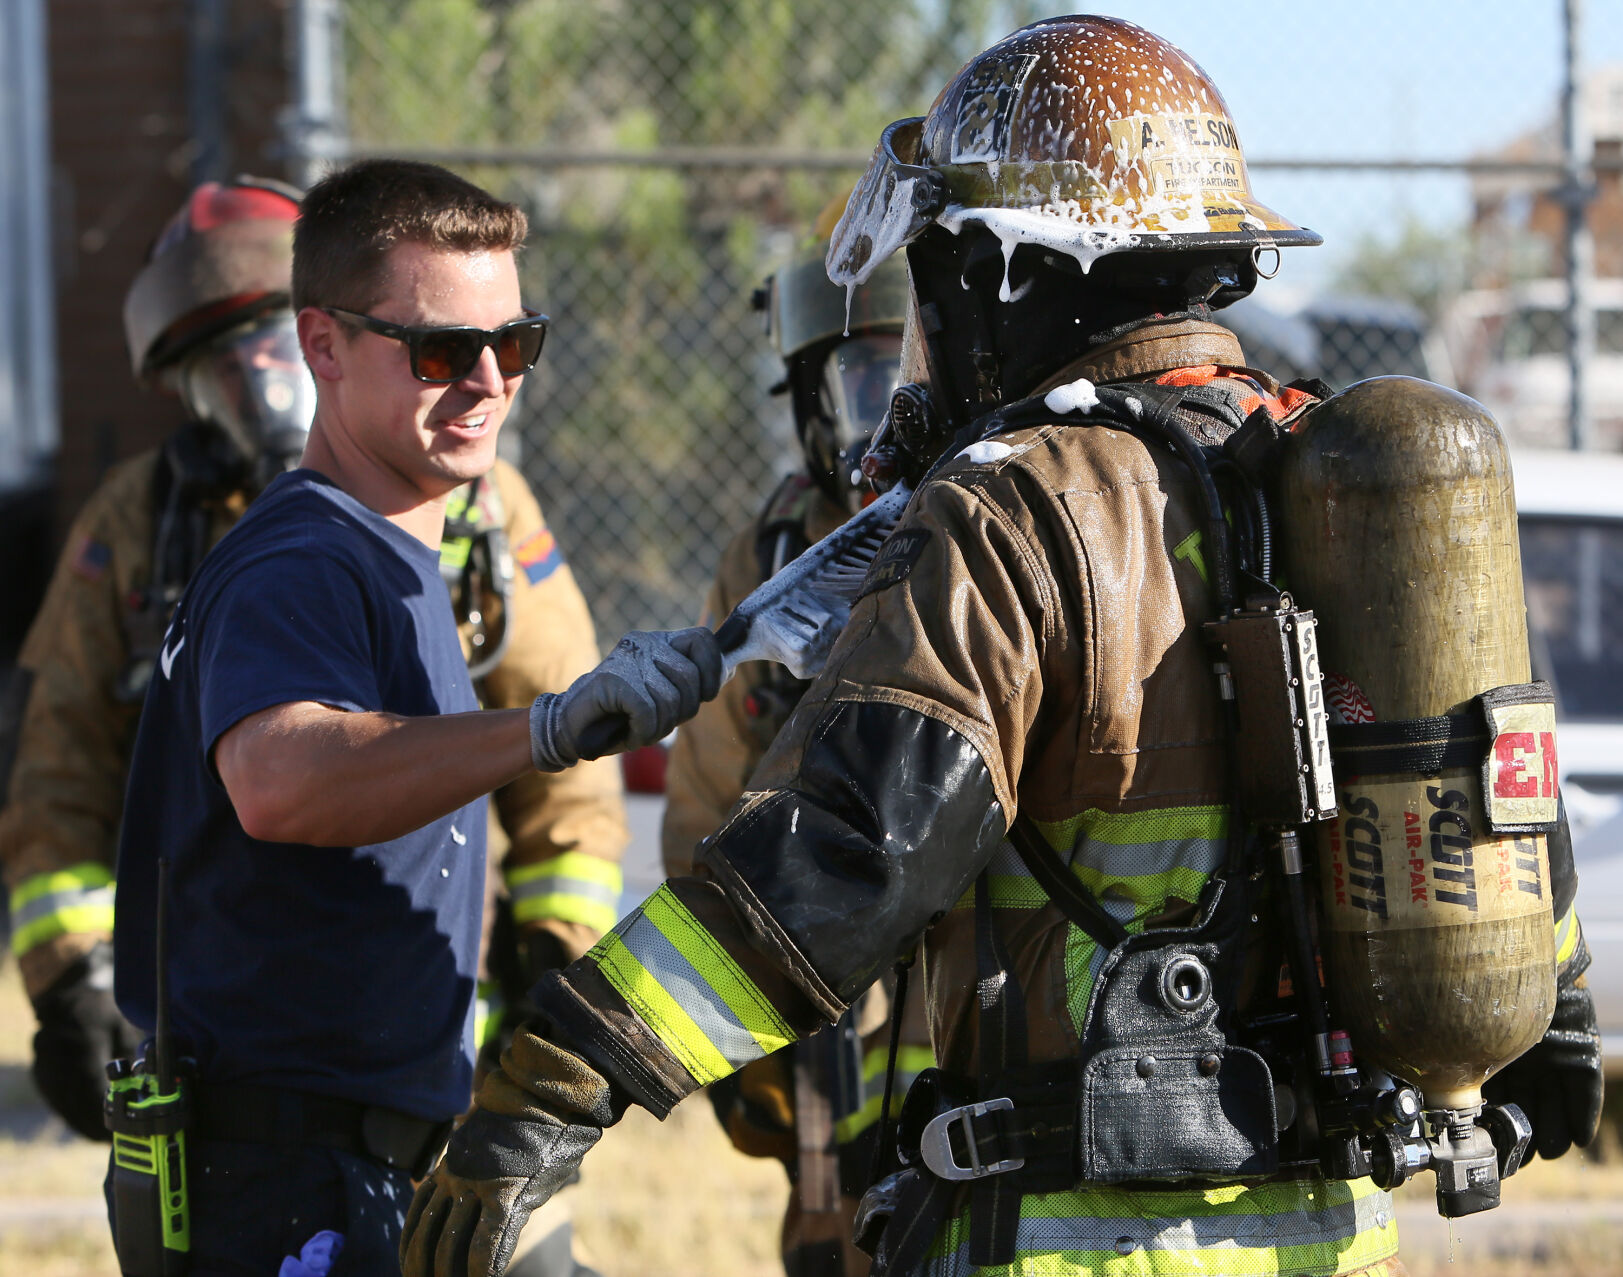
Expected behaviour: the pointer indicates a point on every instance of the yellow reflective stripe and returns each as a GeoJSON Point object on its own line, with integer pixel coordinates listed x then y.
{"type": "Point", "coordinates": [571, 887]}
{"type": "Point", "coordinates": [853, 1124]}
{"type": "Point", "coordinates": [700, 1003]}
{"type": "Point", "coordinates": [910, 1061]}
{"type": "Point", "coordinates": [570, 864]}
{"type": "Point", "coordinates": [1007, 891]}
{"type": "Point", "coordinates": [1308, 1227]}
{"type": "Point", "coordinates": [1567, 935]}
{"type": "Point", "coordinates": [1149, 891]}
{"type": "Point", "coordinates": [562, 906]}
{"type": "Point", "coordinates": [85, 877]}
{"type": "Point", "coordinates": [674, 1026]}
{"type": "Point", "coordinates": [751, 1007]}
{"type": "Point", "coordinates": [454, 553]}
{"type": "Point", "coordinates": [1083, 959]}
{"type": "Point", "coordinates": [76, 900]}
{"type": "Point", "coordinates": [1131, 828]}
{"type": "Point", "coordinates": [488, 1006]}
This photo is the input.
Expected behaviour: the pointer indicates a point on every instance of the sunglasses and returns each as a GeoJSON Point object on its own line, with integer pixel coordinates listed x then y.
{"type": "Point", "coordinates": [442, 355]}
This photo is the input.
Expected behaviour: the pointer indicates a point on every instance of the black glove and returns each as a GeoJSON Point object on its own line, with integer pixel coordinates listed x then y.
{"type": "Point", "coordinates": [1559, 1083]}
{"type": "Point", "coordinates": [80, 1029]}
{"type": "Point", "coordinates": [645, 688]}
{"type": "Point", "coordinates": [532, 1122]}
{"type": "Point", "coordinates": [517, 958]}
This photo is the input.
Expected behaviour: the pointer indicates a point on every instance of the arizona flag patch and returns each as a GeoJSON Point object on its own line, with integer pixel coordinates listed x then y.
{"type": "Point", "coordinates": [538, 554]}
{"type": "Point", "coordinates": [91, 559]}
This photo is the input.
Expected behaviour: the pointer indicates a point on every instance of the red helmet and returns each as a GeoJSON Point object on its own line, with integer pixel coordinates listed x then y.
{"type": "Point", "coordinates": [226, 256]}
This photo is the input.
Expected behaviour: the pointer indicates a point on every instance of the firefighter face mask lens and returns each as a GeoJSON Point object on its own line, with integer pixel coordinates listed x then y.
{"type": "Point", "coordinates": [252, 382]}
{"type": "Point", "coordinates": [858, 379]}
{"type": "Point", "coordinates": [443, 355]}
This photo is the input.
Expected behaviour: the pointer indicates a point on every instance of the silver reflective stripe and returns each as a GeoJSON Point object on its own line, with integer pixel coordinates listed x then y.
{"type": "Point", "coordinates": [60, 902]}
{"type": "Point", "coordinates": [691, 991]}
{"type": "Point", "coordinates": [565, 885]}
{"type": "Point", "coordinates": [1143, 859]}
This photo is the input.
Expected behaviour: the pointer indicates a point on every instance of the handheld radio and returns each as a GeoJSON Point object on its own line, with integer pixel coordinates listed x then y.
{"type": "Point", "coordinates": [147, 1107]}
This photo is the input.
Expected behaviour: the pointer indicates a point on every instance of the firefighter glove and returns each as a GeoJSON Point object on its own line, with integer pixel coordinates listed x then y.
{"type": "Point", "coordinates": [532, 1122]}
{"type": "Point", "coordinates": [1559, 1084]}
{"type": "Point", "coordinates": [80, 1029]}
{"type": "Point", "coordinates": [648, 685]}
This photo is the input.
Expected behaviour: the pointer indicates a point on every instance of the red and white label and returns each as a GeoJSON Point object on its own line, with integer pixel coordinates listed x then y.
{"type": "Point", "coordinates": [1346, 701]}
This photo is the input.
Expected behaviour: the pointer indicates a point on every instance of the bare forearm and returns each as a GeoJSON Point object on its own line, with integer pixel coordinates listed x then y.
{"type": "Point", "coordinates": [308, 774]}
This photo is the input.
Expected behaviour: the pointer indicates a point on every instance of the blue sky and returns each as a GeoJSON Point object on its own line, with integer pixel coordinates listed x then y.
{"type": "Point", "coordinates": [1377, 79]}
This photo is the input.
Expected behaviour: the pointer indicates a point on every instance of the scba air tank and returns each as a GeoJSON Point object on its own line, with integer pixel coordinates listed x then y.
{"type": "Point", "coordinates": [1437, 939]}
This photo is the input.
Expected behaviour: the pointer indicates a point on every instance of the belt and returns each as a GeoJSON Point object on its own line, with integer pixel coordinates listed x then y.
{"type": "Point", "coordinates": [1028, 1131]}
{"type": "Point", "coordinates": [271, 1115]}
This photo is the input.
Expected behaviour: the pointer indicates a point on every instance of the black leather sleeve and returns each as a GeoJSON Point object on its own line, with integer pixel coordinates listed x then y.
{"type": "Point", "coordinates": [889, 818]}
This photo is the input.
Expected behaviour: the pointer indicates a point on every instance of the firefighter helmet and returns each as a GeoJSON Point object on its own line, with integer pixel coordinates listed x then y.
{"type": "Point", "coordinates": [841, 351]}
{"type": "Point", "coordinates": [223, 258]}
{"type": "Point", "coordinates": [1085, 135]}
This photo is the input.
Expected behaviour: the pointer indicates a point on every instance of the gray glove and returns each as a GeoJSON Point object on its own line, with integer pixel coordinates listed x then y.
{"type": "Point", "coordinates": [523, 1141]}
{"type": "Point", "coordinates": [647, 686]}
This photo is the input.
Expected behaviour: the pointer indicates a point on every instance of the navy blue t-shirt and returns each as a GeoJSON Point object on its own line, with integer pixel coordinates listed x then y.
{"type": "Point", "coordinates": [346, 971]}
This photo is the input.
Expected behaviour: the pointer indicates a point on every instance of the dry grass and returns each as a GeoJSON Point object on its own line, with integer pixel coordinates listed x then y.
{"type": "Point", "coordinates": [675, 1199]}
{"type": "Point", "coordinates": [670, 1198]}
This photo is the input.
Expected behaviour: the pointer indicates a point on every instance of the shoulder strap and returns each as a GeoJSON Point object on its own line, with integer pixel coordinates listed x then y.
{"type": "Point", "coordinates": [1079, 905]}
{"type": "Point", "coordinates": [780, 533]}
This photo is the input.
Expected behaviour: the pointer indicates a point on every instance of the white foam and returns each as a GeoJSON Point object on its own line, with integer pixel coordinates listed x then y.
{"type": "Point", "coordinates": [1076, 396]}
{"type": "Point", "coordinates": [986, 450]}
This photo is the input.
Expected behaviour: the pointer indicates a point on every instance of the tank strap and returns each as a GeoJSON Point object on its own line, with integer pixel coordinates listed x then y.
{"type": "Point", "coordinates": [994, 1219]}
{"type": "Point", "coordinates": [780, 534]}
{"type": "Point", "coordinates": [1079, 905]}
{"type": "Point", "coordinates": [1506, 732]}
{"type": "Point", "coordinates": [1422, 746]}
{"type": "Point", "coordinates": [192, 469]}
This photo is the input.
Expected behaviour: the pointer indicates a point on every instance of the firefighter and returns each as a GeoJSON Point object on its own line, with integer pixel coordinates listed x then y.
{"type": "Point", "coordinates": [208, 320]}
{"type": "Point", "coordinates": [815, 1106]}
{"type": "Point", "coordinates": [1017, 753]}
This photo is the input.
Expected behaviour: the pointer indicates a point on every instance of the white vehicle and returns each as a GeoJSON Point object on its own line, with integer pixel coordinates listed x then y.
{"type": "Point", "coordinates": [1570, 508]}
{"type": "Point", "coordinates": [1509, 351]}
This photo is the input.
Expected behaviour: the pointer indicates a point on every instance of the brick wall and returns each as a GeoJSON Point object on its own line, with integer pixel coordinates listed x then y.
{"type": "Point", "coordinates": [122, 154]}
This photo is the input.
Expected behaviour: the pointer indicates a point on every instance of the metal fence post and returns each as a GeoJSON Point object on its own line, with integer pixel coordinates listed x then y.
{"type": "Point", "coordinates": [1577, 191]}
{"type": "Point", "coordinates": [205, 89]}
{"type": "Point", "coordinates": [313, 126]}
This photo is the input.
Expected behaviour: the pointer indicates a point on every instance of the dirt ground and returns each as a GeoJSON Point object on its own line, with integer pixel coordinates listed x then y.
{"type": "Point", "coordinates": [675, 1200]}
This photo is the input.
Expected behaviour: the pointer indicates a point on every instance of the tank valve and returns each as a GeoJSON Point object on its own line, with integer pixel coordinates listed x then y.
{"type": "Point", "coordinates": [1466, 1162]}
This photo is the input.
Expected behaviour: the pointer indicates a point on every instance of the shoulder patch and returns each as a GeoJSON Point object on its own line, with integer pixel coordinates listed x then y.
{"type": "Point", "coordinates": [90, 560]}
{"type": "Point", "coordinates": [792, 502]}
{"type": "Point", "coordinates": [538, 554]}
{"type": "Point", "coordinates": [894, 560]}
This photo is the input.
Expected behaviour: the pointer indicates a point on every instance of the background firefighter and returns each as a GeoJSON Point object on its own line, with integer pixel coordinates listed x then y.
{"type": "Point", "coordinates": [208, 320]}
{"type": "Point", "coordinates": [816, 1105]}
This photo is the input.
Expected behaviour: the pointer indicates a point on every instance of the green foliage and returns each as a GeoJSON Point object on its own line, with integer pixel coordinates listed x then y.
{"type": "Point", "coordinates": [647, 429]}
{"type": "Point", "coordinates": [1422, 264]}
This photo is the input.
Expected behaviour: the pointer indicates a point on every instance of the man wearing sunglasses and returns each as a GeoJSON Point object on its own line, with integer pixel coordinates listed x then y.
{"type": "Point", "coordinates": [309, 763]}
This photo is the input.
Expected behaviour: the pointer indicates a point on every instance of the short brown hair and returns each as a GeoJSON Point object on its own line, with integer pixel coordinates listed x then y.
{"type": "Point", "coordinates": [350, 220]}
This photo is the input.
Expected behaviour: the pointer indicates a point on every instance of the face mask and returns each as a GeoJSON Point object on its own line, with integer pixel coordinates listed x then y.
{"type": "Point", "coordinates": [252, 383]}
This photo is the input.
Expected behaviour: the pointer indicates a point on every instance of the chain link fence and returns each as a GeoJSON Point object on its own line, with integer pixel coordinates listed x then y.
{"type": "Point", "coordinates": [671, 153]}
